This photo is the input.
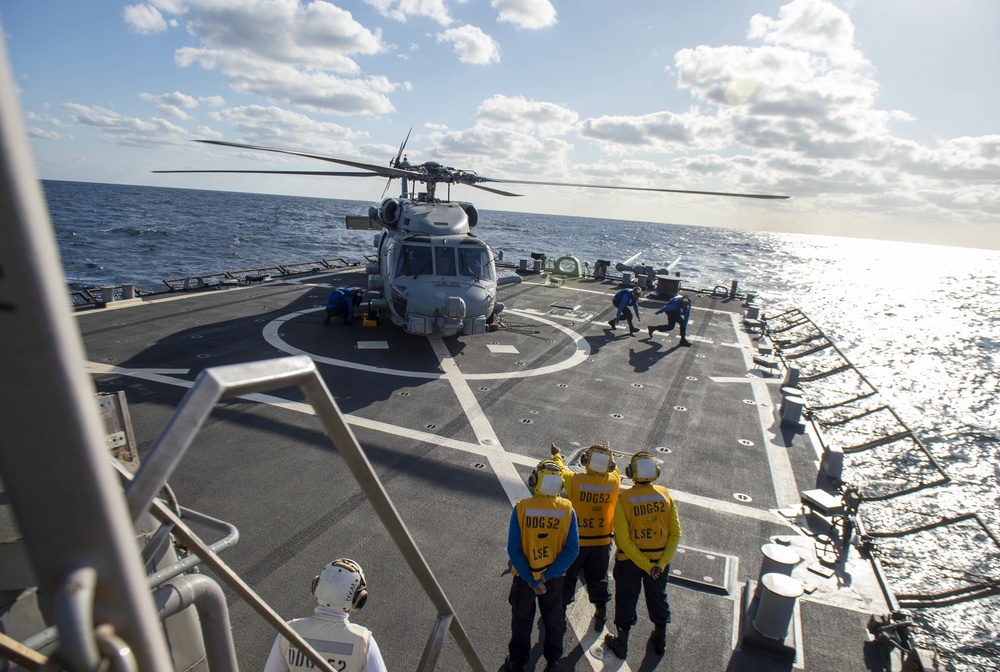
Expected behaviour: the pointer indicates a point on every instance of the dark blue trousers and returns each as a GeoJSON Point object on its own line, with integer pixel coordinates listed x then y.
{"type": "Point", "coordinates": [629, 581]}
{"type": "Point", "coordinates": [522, 602]}
{"type": "Point", "coordinates": [593, 561]}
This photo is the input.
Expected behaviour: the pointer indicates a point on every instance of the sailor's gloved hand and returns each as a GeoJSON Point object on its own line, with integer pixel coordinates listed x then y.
{"type": "Point", "coordinates": [554, 448]}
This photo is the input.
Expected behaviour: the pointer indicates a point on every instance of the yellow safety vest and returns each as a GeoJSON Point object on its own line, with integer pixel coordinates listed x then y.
{"type": "Point", "coordinates": [544, 523]}
{"type": "Point", "coordinates": [647, 509]}
{"type": "Point", "coordinates": [594, 497]}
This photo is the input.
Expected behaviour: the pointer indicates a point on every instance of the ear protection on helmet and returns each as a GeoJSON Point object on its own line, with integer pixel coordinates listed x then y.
{"type": "Point", "coordinates": [546, 479]}
{"type": "Point", "coordinates": [604, 462]}
{"type": "Point", "coordinates": [341, 585]}
{"type": "Point", "coordinates": [643, 467]}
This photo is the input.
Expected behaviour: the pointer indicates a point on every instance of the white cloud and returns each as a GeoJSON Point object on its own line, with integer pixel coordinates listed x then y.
{"type": "Point", "coordinates": [402, 10]}
{"type": "Point", "coordinates": [471, 45]}
{"type": "Point", "coordinates": [144, 19]}
{"type": "Point", "coordinates": [287, 84]}
{"type": "Point", "coordinates": [122, 130]}
{"type": "Point", "coordinates": [275, 126]}
{"type": "Point", "coordinates": [172, 104]}
{"type": "Point", "coordinates": [507, 152]}
{"type": "Point", "coordinates": [45, 119]}
{"type": "Point", "coordinates": [527, 115]}
{"type": "Point", "coordinates": [42, 134]}
{"type": "Point", "coordinates": [530, 14]}
{"type": "Point", "coordinates": [813, 25]}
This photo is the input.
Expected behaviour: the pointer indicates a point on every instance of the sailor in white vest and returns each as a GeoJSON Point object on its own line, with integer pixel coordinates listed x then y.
{"type": "Point", "coordinates": [339, 590]}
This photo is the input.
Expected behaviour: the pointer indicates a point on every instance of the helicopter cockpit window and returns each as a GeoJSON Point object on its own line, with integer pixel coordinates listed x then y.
{"type": "Point", "coordinates": [474, 262]}
{"type": "Point", "coordinates": [414, 260]}
{"type": "Point", "coordinates": [444, 260]}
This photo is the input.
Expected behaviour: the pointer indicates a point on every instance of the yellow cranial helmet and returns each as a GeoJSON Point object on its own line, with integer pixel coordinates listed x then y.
{"type": "Point", "coordinates": [643, 468]}
{"type": "Point", "coordinates": [598, 458]}
{"type": "Point", "coordinates": [546, 479]}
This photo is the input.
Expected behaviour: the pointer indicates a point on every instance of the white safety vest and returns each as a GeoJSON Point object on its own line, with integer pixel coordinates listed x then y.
{"type": "Point", "coordinates": [342, 643]}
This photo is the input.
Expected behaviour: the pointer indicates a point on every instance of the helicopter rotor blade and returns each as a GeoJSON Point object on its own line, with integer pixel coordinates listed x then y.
{"type": "Point", "coordinates": [490, 189]}
{"type": "Point", "coordinates": [277, 172]}
{"type": "Point", "coordinates": [607, 186]}
{"type": "Point", "coordinates": [399, 154]}
{"type": "Point", "coordinates": [376, 169]}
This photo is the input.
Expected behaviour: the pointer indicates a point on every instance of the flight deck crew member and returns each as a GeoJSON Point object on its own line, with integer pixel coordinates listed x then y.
{"type": "Point", "coordinates": [542, 543]}
{"type": "Point", "coordinates": [623, 300]}
{"type": "Point", "coordinates": [339, 590]}
{"type": "Point", "coordinates": [647, 531]}
{"type": "Point", "coordinates": [594, 494]}
{"type": "Point", "coordinates": [341, 303]}
{"type": "Point", "coordinates": [678, 310]}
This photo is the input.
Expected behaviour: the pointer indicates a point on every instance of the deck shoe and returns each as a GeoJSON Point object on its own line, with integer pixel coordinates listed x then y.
{"type": "Point", "coordinates": [686, 343]}
{"type": "Point", "coordinates": [619, 644]}
{"type": "Point", "coordinates": [552, 665]}
{"type": "Point", "coordinates": [508, 666]}
{"type": "Point", "coordinates": [600, 617]}
{"type": "Point", "coordinates": [650, 330]}
{"type": "Point", "coordinates": [659, 639]}
{"type": "Point", "coordinates": [612, 323]}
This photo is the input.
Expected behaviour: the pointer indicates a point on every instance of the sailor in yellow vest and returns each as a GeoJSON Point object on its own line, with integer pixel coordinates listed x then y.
{"type": "Point", "coordinates": [647, 531]}
{"type": "Point", "coordinates": [594, 494]}
{"type": "Point", "coordinates": [340, 589]}
{"type": "Point", "coordinates": [542, 543]}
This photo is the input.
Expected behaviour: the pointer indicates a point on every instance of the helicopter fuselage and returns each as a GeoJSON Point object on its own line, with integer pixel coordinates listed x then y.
{"type": "Point", "coordinates": [433, 274]}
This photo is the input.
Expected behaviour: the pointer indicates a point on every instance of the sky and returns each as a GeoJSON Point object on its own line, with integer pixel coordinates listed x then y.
{"type": "Point", "coordinates": [877, 117]}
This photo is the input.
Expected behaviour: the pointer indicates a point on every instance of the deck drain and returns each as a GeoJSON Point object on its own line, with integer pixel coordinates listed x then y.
{"type": "Point", "coordinates": [617, 416]}
{"type": "Point", "coordinates": [527, 421]}
{"type": "Point", "coordinates": [519, 363]}
{"type": "Point", "coordinates": [478, 465]}
{"type": "Point", "coordinates": [561, 385]}
{"type": "Point", "coordinates": [430, 426]}
{"type": "Point", "coordinates": [404, 393]}
{"type": "Point", "coordinates": [487, 442]}
{"type": "Point", "coordinates": [746, 442]}
{"type": "Point", "coordinates": [260, 319]}
{"type": "Point", "coordinates": [484, 389]}
{"type": "Point", "coordinates": [122, 341]}
{"type": "Point", "coordinates": [680, 408]}
{"type": "Point", "coordinates": [741, 497]}
{"type": "Point", "coordinates": [598, 380]}
{"type": "Point", "coordinates": [117, 324]}
{"type": "Point", "coordinates": [203, 356]}
{"type": "Point", "coordinates": [676, 572]}
{"type": "Point", "coordinates": [691, 378]}
{"type": "Point", "coordinates": [533, 412]}
{"type": "Point", "coordinates": [663, 449]}
{"type": "Point", "coordinates": [708, 579]}
{"type": "Point", "coordinates": [749, 402]}
{"type": "Point", "coordinates": [636, 384]}
{"type": "Point", "coordinates": [700, 356]}
{"type": "Point", "coordinates": [196, 336]}
{"type": "Point", "coordinates": [110, 359]}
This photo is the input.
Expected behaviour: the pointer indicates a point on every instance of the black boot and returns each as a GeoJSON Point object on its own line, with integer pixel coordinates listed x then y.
{"type": "Point", "coordinates": [685, 342]}
{"type": "Point", "coordinates": [659, 639]}
{"type": "Point", "coordinates": [600, 617]}
{"type": "Point", "coordinates": [619, 644]}
{"type": "Point", "coordinates": [613, 323]}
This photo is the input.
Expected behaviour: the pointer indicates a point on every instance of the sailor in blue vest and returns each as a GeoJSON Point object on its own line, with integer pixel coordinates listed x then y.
{"type": "Point", "coordinates": [339, 590]}
{"type": "Point", "coordinates": [542, 542]}
{"type": "Point", "coordinates": [342, 303]}
{"type": "Point", "coordinates": [678, 310]}
{"type": "Point", "coordinates": [624, 299]}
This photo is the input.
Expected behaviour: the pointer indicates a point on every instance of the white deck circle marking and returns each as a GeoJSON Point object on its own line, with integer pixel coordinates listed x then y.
{"type": "Point", "coordinates": [271, 335]}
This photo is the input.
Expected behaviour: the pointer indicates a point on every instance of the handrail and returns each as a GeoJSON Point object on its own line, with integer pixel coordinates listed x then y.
{"type": "Point", "coordinates": [225, 382]}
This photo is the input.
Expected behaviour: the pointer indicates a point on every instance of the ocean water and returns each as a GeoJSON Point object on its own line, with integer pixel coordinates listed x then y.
{"type": "Point", "coordinates": [921, 322]}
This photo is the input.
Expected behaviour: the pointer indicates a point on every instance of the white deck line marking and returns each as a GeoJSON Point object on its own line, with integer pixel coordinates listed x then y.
{"type": "Point", "coordinates": [501, 464]}
{"type": "Point", "coordinates": [270, 333]}
{"type": "Point", "coordinates": [153, 375]}
{"type": "Point", "coordinates": [578, 618]}
{"type": "Point", "coordinates": [786, 493]}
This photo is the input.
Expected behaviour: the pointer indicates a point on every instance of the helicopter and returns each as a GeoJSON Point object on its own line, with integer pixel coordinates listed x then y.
{"type": "Point", "coordinates": [433, 274]}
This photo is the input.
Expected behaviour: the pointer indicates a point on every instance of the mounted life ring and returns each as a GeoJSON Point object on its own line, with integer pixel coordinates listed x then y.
{"type": "Point", "coordinates": [389, 211]}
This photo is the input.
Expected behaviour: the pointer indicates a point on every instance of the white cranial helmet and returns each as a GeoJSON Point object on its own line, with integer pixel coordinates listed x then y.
{"type": "Point", "coordinates": [341, 585]}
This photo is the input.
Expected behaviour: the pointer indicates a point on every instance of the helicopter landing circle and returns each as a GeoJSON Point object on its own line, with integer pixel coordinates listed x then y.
{"type": "Point", "coordinates": [579, 355]}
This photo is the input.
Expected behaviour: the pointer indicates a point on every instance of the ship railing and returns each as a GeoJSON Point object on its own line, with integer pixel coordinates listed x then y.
{"type": "Point", "coordinates": [219, 383]}
{"type": "Point", "coordinates": [853, 429]}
